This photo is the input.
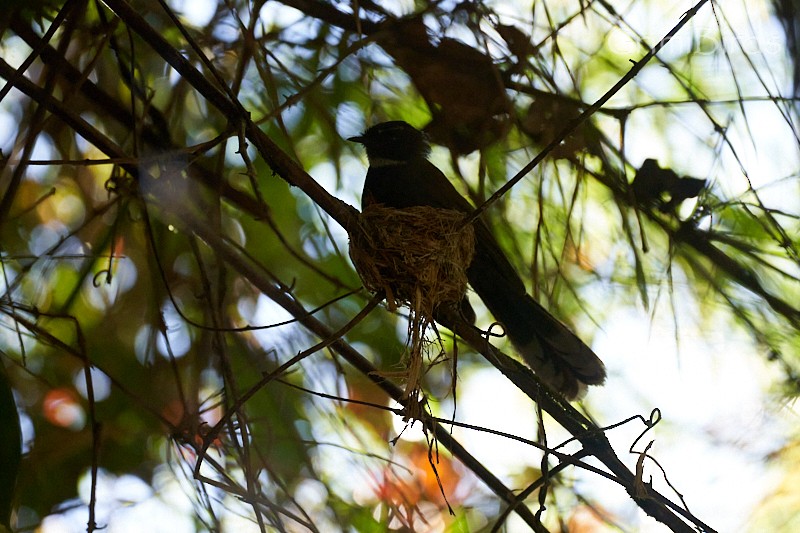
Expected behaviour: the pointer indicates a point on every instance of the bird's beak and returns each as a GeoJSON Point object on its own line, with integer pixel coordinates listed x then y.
{"type": "Point", "coordinates": [357, 139]}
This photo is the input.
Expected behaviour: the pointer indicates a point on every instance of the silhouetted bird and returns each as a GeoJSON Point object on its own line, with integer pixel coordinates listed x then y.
{"type": "Point", "coordinates": [400, 176]}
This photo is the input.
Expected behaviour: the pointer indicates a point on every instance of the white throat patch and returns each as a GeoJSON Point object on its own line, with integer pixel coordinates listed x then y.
{"type": "Point", "coordinates": [384, 162]}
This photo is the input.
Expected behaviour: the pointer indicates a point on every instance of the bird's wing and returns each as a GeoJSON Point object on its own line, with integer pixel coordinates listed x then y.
{"type": "Point", "coordinates": [437, 191]}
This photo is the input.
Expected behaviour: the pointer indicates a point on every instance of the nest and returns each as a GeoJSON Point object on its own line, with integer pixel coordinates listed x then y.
{"type": "Point", "coordinates": [418, 256]}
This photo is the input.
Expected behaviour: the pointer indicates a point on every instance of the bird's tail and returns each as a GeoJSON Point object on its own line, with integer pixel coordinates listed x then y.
{"type": "Point", "coordinates": [553, 352]}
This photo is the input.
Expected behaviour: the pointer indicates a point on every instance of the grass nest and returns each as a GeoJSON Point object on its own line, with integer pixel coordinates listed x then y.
{"type": "Point", "coordinates": [418, 256]}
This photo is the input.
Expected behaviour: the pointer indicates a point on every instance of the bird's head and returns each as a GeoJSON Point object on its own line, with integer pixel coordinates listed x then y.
{"type": "Point", "coordinates": [393, 142]}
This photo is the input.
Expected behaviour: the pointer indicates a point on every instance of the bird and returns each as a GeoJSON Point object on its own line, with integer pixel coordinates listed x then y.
{"type": "Point", "coordinates": [401, 176]}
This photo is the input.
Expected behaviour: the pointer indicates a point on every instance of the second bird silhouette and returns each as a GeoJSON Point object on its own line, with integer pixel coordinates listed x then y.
{"type": "Point", "coordinates": [401, 176]}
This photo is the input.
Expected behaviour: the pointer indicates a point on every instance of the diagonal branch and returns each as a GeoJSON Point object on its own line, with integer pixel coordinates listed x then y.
{"type": "Point", "coordinates": [591, 437]}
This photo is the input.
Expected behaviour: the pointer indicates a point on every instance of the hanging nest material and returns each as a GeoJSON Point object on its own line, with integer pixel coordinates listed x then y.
{"type": "Point", "coordinates": [418, 256]}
